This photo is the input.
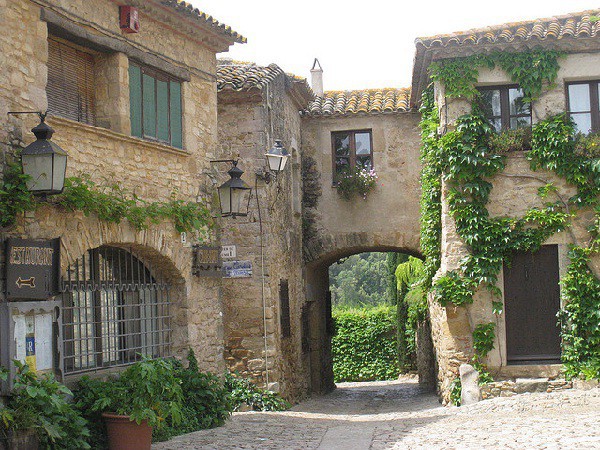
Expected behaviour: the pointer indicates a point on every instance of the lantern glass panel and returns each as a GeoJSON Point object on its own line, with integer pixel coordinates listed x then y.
{"type": "Point", "coordinates": [60, 168]}
{"type": "Point", "coordinates": [39, 168]}
{"type": "Point", "coordinates": [225, 200]}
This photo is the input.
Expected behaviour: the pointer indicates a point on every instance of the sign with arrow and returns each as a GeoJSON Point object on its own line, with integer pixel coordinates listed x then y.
{"type": "Point", "coordinates": [32, 268]}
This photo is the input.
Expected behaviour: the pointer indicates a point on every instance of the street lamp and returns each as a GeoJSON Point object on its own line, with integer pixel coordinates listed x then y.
{"type": "Point", "coordinates": [234, 193]}
{"type": "Point", "coordinates": [277, 157]}
{"type": "Point", "coordinates": [43, 161]}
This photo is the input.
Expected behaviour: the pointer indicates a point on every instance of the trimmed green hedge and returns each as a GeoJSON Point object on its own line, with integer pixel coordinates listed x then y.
{"type": "Point", "coordinates": [364, 345]}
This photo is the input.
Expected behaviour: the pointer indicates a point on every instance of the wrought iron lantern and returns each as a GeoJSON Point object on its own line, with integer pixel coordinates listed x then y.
{"type": "Point", "coordinates": [277, 157]}
{"type": "Point", "coordinates": [234, 194]}
{"type": "Point", "coordinates": [44, 162]}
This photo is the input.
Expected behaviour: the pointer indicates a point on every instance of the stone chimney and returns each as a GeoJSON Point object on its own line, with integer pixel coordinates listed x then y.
{"type": "Point", "coordinates": [317, 78]}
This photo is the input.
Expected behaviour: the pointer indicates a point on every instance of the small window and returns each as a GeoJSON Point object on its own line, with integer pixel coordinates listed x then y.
{"type": "Point", "coordinates": [155, 105]}
{"type": "Point", "coordinates": [505, 107]}
{"type": "Point", "coordinates": [284, 305]}
{"type": "Point", "coordinates": [71, 82]}
{"type": "Point", "coordinates": [583, 105]}
{"type": "Point", "coordinates": [351, 149]}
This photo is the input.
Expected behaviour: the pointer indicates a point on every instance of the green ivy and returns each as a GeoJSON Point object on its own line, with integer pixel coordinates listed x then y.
{"type": "Point", "coordinates": [530, 70]}
{"type": "Point", "coordinates": [15, 198]}
{"type": "Point", "coordinates": [111, 203]}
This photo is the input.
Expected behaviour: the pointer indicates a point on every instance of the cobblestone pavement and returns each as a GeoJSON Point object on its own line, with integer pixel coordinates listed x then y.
{"type": "Point", "coordinates": [399, 415]}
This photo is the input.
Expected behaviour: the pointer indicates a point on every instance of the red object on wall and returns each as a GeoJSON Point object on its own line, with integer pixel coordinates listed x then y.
{"type": "Point", "coordinates": [130, 19]}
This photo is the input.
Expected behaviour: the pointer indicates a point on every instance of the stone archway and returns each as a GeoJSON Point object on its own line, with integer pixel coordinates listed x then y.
{"type": "Point", "coordinates": [318, 305]}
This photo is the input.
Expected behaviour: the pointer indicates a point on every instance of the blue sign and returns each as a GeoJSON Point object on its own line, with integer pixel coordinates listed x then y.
{"type": "Point", "coordinates": [237, 269]}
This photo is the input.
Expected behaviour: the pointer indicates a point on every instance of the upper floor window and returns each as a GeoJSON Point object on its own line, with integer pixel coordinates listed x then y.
{"type": "Point", "coordinates": [505, 107]}
{"type": "Point", "coordinates": [71, 82]}
{"type": "Point", "coordinates": [583, 105]}
{"type": "Point", "coordinates": [351, 149]}
{"type": "Point", "coordinates": [155, 105]}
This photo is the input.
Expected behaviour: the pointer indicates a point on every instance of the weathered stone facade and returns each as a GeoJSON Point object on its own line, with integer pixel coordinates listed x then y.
{"type": "Point", "coordinates": [107, 153]}
{"type": "Point", "coordinates": [270, 236]}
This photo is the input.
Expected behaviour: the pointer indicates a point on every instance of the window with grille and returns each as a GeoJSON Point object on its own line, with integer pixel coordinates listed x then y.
{"type": "Point", "coordinates": [505, 107]}
{"type": "Point", "coordinates": [71, 82]}
{"type": "Point", "coordinates": [114, 311]}
{"type": "Point", "coordinates": [583, 105]}
{"type": "Point", "coordinates": [155, 105]}
{"type": "Point", "coordinates": [351, 149]}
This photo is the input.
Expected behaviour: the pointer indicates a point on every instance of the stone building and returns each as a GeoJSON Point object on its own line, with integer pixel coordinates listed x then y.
{"type": "Point", "coordinates": [263, 309]}
{"type": "Point", "coordinates": [136, 108]}
{"type": "Point", "coordinates": [527, 340]}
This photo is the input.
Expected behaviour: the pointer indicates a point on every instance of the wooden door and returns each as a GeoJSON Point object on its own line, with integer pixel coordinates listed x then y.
{"type": "Point", "coordinates": [532, 299]}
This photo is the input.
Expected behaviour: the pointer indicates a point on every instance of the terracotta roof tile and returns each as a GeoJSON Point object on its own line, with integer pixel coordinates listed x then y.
{"type": "Point", "coordinates": [189, 10]}
{"type": "Point", "coordinates": [242, 76]}
{"type": "Point", "coordinates": [577, 25]}
{"type": "Point", "coordinates": [575, 32]}
{"type": "Point", "coordinates": [365, 101]}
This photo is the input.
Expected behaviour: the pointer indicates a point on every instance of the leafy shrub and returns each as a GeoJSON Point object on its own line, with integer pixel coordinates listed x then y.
{"type": "Point", "coordinates": [588, 145]}
{"type": "Point", "coordinates": [244, 391]}
{"type": "Point", "coordinates": [207, 401]}
{"type": "Point", "coordinates": [456, 392]}
{"type": "Point", "coordinates": [40, 402]}
{"type": "Point", "coordinates": [364, 345]}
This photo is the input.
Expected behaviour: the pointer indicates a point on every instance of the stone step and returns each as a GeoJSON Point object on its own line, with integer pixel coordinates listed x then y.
{"type": "Point", "coordinates": [508, 388]}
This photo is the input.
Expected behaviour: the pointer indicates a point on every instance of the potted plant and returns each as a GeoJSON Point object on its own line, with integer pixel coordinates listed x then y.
{"type": "Point", "coordinates": [144, 395]}
{"type": "Point", "coordinates": [356, 181]}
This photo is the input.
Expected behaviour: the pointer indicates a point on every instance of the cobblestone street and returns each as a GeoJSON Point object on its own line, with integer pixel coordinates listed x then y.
{"type": "Point", "coordinates": [399, 415]}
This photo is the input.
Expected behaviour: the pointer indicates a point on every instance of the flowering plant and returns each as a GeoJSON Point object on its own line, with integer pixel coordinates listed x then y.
{"type": "Point", "coordinates": [356, 181]}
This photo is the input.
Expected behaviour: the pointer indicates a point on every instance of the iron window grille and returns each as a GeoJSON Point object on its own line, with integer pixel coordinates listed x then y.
{"type": "Point", "coordinates": [505, 107]}
{"type": "Point", "coordinates": [350, 150]}
{"type": "Point", "coordinates": [114, 311]}
{"type": "Point", "coordinates": [583, 105]}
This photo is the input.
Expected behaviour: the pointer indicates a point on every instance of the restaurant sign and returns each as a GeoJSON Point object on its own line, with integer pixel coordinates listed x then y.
{"type": "Point", "coordinates": [32, 269]}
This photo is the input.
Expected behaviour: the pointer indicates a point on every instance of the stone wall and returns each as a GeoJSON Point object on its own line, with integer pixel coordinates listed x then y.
{"type": "Point", "coordinates": [515, 191]}
{"type": "Point", "coordinates": [248, 124]}
{"type": "Point", "coordinates": [107, 154]}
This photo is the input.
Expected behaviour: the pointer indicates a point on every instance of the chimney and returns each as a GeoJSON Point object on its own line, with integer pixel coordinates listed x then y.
{"type": "Point", "coordinates": [317, 78]}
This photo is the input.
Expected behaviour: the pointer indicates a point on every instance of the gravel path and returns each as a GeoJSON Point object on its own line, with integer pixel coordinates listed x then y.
{"type": "Point", "coordinates": [399, 415]}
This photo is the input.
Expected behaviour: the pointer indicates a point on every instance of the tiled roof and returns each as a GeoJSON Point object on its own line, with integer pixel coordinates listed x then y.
{"type": "Point", "coordinates": [242, 76]}
{"type": "Point", "coordinates": [188, 10]}
{"type": "Point", "coordinates": [571, 32]}
{"type": "Point", "coordinates": [366, 101]}
{"type": "Point", "coordinates": [576, 25]}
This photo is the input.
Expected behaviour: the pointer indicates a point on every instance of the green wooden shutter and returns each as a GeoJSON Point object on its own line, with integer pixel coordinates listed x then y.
{"type": "Point", "coordinates": [176, 127]}
{"type": "Point", "coordinates": [135, 100]}
{"type": "Point", "coordinates": [149, 105]}
{"type": "Point", "coordinates": [162, 110]}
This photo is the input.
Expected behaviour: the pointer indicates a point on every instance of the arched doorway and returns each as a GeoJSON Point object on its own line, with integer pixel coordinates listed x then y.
{"type": "Point", "coordinates": [316, 313]}
{"type": "Point", "coordinates": [115, 309]}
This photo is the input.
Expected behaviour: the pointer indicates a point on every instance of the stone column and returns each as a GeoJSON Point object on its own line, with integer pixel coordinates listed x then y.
{"type": "Point", "coordinates": [112, 92]}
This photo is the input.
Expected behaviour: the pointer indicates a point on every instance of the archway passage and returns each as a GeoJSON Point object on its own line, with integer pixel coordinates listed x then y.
{"type": "Point", "coordinates": [317, 315]}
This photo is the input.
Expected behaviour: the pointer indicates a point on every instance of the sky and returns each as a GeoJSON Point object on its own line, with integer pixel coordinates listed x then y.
{"type": "Point", "coordinates": [366, 44]}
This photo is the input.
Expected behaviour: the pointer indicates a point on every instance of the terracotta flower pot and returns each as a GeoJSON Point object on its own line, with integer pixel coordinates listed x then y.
{"type": "Point", "coordinates": [125, 434]}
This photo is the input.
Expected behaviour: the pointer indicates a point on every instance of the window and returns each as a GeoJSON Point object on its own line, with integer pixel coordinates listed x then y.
{"type": "Point", "coordinates": [114, 310]}
{"type": "Point", "coordinates": [583, 105]}
{"type": "Point", "coordinates": [155, 105]}
{"type": "Point", "coordinates": [71, 82]}
{"type": "Point", "coordinates": [284, 308]}
{"type": "Point", "coordinates": [505, 107]}
{"type": "Point", "coordinates": [351, 149]}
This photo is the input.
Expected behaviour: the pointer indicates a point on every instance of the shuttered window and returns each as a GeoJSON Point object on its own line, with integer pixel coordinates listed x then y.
{"type": "Point", "coordinates": [155, 105]}
{"type": "Point", "coordinates": [71, 82]}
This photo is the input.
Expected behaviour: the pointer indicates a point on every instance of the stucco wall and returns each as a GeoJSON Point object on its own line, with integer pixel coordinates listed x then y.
{"type": "Point", "coordinates": [389, 217]}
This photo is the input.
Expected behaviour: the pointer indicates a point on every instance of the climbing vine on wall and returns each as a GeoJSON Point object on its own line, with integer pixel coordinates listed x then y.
{"type": "Point", "coordinates": [468, 159]}
{"type": "Point", "coordinates": [530, 70]}
{"type": "Point", "coordinates": [111, 203]}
